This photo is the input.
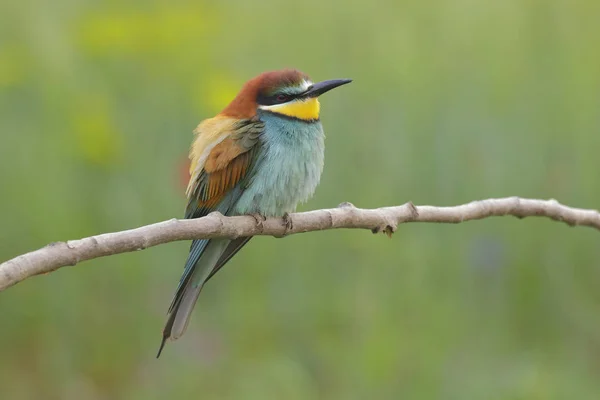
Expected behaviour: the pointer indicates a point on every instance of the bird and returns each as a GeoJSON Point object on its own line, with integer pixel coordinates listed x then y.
{"type": "Point", "coordinates": [262, 155]}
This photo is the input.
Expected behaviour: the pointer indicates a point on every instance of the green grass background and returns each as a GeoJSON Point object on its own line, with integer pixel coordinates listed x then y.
{"type": "Point", "coordinates": [452, 101]}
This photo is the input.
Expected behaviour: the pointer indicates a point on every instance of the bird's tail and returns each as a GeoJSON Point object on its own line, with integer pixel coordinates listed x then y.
{"type": "Point", "coordinates": [203, 256]}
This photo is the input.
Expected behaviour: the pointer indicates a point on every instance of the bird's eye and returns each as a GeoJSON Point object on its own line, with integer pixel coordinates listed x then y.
{"type": "Point", "coordinates": [281, 97]}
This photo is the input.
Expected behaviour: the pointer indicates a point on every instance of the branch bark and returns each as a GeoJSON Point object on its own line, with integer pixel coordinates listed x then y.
{"type": "Point", "coordinates": [386, 219]}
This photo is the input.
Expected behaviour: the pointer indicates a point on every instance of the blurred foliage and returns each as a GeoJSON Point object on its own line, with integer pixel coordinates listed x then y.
{"type": "Point", "coordinates": [452, 101]}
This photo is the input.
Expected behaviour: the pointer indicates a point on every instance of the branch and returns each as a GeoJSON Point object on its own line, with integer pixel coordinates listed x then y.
{"type": "Point", "coordinates": [386, 219]}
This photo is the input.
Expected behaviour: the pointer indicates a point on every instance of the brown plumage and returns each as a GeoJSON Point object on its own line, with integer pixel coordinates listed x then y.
{"type": "Point", "coordinates": [220, 157]}
{"type": "Point", "coordinates": [244, 104]}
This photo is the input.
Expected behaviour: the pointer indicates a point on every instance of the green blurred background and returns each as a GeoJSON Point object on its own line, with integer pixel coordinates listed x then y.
{"type": "Point", "coordinates": [452, 101]}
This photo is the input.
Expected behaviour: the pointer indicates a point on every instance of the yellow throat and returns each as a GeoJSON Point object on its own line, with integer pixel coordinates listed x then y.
{"type": "Point", "coordinates": [306, 109]}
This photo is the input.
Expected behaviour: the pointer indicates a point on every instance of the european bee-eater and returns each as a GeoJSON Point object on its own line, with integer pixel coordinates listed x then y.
{"type": "Point", "coordinates": [262, 155]}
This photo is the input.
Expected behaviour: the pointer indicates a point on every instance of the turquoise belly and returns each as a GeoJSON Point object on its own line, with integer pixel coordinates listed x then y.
{"type": "Point", "coordinates": [289, 167]}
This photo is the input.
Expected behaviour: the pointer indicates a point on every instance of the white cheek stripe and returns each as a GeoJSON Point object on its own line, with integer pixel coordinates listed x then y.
{"type": "Point", "coordinates": [276, 106]}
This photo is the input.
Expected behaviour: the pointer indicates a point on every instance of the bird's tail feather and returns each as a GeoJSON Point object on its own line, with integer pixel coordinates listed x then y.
{"type": "Point", "coordinates": [187, 294]}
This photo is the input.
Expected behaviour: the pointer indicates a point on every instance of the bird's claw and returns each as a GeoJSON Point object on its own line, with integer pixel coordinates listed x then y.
{"type": "Point", "coordinates": [287, 221]}
{"type": "Point", "coordinates": [388, 230]}
{"type": "Point", "coordinates": [259, 218]}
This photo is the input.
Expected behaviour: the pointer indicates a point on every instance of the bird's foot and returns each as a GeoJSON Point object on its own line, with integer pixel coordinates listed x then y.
{"type": "Point", "coordinates": [287, 221]}
{"type": "Point", "coordinates": [388, 230]}
{"type": "Point", "coordinates": [259, 218]}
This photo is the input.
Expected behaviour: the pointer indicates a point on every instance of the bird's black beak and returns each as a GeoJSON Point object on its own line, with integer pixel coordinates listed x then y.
{"type": "Point", "coordinates": [319, 88]}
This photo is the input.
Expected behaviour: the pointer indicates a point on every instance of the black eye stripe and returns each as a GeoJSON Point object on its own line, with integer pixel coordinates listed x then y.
{"type": "Point", "coordinates": [276, 98]}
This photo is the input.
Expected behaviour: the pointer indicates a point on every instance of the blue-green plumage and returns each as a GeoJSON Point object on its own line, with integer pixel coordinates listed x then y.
{"type": "Point", "coordinates": [288, 168]}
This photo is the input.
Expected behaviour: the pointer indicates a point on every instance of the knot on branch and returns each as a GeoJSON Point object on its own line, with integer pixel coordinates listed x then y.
{"type": "Point", "coordinates": [414, 212]}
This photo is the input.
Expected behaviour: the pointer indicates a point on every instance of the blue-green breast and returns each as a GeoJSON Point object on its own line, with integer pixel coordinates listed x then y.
{"type": "Point", "coordinates": [288, 168]}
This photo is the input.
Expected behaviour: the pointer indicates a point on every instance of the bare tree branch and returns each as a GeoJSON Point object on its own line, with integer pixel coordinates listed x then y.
{"type": "Point", "coordinates": [386, 219]}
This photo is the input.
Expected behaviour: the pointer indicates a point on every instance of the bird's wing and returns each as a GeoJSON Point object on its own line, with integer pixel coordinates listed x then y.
{"type": "Point", "coordinates": [223, 158]}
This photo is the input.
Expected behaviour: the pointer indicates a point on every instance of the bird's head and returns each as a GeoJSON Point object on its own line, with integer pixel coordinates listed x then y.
{"type": "Point", "coordinates": [288, 93]}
